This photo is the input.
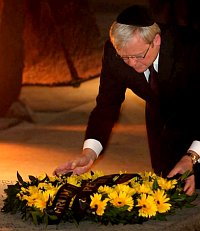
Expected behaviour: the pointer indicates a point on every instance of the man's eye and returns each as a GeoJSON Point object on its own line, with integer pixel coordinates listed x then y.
{"type": "Point", "coordinates": [125, 58]}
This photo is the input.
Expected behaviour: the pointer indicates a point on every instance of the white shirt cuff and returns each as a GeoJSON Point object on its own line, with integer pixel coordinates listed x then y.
{"type": "Point", "coordinates": [93, 144]}
{"type": "Point", "coordinates": [195, 146]}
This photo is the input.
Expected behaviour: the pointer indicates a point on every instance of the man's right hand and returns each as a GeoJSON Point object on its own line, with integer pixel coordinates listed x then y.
{"type": "Point", "coordinates": [79, 165]}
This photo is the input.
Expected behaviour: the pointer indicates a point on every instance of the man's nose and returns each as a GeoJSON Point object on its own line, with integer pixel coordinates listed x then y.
{"type": "Point", "coordinates": [132, 62]}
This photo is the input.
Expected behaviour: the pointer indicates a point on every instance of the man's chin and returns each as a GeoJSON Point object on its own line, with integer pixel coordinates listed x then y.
{"type": "Point", "coordinates": [140, 70]}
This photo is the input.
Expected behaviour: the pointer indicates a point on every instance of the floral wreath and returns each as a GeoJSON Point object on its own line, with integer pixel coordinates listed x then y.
{"type": "Point", "coordinates": [117, 198]}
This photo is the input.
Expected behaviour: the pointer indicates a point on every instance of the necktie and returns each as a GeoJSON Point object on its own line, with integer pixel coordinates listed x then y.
{"type": "Point", "coordinates": [153, 80]}
{"type": "Point", "coordinates": [153, 121]}
{"type": "Point", "coordinates": [151, 108]}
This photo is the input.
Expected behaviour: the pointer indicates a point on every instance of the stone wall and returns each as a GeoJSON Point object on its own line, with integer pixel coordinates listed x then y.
{"type": "Point", "coordinates": [61, 42]}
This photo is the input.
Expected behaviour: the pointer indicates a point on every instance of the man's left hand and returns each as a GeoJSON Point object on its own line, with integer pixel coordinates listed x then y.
{"type": "Point", "coordinates": [181, 167]}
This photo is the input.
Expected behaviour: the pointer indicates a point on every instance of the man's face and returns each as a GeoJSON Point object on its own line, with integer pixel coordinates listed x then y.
{"type": "Point", "coordinates": [139, 54]}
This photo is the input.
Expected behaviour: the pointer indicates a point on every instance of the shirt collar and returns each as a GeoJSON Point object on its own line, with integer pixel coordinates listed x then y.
{"type": "Point", "coordinates": [155, 65]}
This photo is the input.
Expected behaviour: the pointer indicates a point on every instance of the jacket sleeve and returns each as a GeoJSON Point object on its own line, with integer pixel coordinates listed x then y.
{"type": "Point", "coordinates": [109, 99]}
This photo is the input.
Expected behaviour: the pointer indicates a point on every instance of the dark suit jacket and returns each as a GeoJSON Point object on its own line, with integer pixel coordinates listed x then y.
{"type": "Point", "coordinates": [179, 84]}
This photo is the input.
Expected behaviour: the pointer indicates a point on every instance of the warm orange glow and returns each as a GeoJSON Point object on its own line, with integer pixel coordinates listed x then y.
{"type": "Point", "coordinates": [61, 115]}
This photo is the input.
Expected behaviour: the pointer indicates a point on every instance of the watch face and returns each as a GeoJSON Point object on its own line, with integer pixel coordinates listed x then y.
{"type": "Point", "coordinates": [194, 157]}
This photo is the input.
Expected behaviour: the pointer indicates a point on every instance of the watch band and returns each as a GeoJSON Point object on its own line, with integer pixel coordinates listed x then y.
{"type": "Point", "coordinates": [194, 156]}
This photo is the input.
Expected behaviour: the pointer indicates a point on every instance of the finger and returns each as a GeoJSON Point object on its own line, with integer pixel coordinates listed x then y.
{"type": "Point", "coordinates": [83, 169]}
{"type": "Point", "coordinates": [173, 172]}
{"type": "Point", "coordinates": [82, 161]}
{"type": "Point", "coordinates": [189, 187]}
{"type": "Point", "coordinates": [64, 168]}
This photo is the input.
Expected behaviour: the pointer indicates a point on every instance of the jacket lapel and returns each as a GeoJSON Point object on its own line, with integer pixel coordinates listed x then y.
{"type": "Point", "coordinates": [166, 56]}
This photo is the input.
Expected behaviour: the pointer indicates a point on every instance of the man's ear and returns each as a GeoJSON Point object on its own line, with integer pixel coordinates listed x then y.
{"type": "Point", "coordinates": [157, 40]}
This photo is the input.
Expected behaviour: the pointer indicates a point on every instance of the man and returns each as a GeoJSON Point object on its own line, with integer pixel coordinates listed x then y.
{"type": "Point", "coordinates": [136, 45]}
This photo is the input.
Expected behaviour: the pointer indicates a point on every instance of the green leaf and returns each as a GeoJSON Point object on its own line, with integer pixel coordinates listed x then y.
{"type": "Point", "coordinates": [186, 175]}
{"type": "Point", "coordinates": [20, 178]}
{"type": "Point", "coordinates": [46, 219]}
{"type": "Point", "coordinates": [32, 178]}
{"type": "Point", "coordinates": [37, 215]}
{"type": "Point", "coordinates": [155, 185]}
{"type": "Point", "coordinates": [34, 217]}
{"type": "Point", "coordinates": [53, 217]}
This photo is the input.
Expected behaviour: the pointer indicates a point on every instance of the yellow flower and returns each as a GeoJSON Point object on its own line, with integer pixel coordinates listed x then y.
{"type": "Point", "coordinates": [19, 196]}
{"type": "Point", "coordinates": [42, 176]}
{"type": "Point", "coordinates": [121, 199]}
{"type": "Point", "coordinates": [97, 174]}
{"type": "Point", "coordinates": [53, 178]}
{"type": "Point", "coordinates": [41, 200]}
{"type": "Point", "coordinates": [44, 186]}
{"type": "Point", "coordinates": [144, 188]}
{"type": "Point", "coordinates": [147, 176]}
{"type": "Point", "coordinates": [161, 198]}
{"type": "Point", "coordinates": [86, 176]}
{"type": "Point", "coordinates": [74, 180]}
{"type": "Point", "coordinates": [32, 190]}
{"type": "Point", "coordinates": [147, 206]}
{"type": "Point", "coordinates": [38, 196]}
{"type": "Point", "coordinates": [52, 193]}
{"type": "Point", "coordinates": [23, 190]}
{"type": "Point", "coordinates": [166, 184]}
{"type": "Point", "coordinates": [134, 184]}
{"type": "Point", "coordinates": [105, 189]}
{"type": "Point", "coordinates": [124, 188]}
{"type": "Point", "coordinates": [99, 204]}
{"type": "Point", "coordinates": [30, 200]}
